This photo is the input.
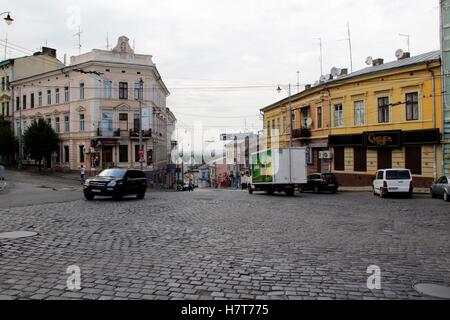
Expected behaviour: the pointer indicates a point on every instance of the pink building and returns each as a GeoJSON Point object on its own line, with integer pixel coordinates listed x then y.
{"type": "Point", "coordinates": [93, 105]}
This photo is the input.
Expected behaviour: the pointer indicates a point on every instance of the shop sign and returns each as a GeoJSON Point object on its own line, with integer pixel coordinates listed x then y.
{"type": "Point", "coordinates": [391, 139]}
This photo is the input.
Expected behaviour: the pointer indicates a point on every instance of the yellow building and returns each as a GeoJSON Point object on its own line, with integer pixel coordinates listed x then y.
{"type": "Point", "coordinates": [384, 116]}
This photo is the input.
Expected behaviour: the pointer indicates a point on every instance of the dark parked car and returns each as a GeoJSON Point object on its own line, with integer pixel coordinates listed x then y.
{"type": "Point", "coordinates": [116, 183]}
{"type": "Point", "coordinates": [441, 188]}
{"type": "Point", "coordinates": [320, 182]}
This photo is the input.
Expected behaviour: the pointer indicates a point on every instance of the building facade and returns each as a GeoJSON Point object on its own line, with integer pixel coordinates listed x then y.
{"type": "Point", "coordinates": [385, 116]}
{"type": "Point", "coordinates": [94, 106]}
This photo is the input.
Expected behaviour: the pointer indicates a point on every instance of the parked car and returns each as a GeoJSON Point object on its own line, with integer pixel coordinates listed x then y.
{"type": "Point", "coordinates": [441, 188]}
{"type": "Point", "coordinates": [318, 182]}
{"type": "Point", "coordinates": [116, 183]}
{"type": "Point", "coordinates": [389, 181]}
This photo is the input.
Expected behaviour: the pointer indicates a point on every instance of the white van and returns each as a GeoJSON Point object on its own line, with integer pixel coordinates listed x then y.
{"type": "Point", "coordinates": [388, 181]}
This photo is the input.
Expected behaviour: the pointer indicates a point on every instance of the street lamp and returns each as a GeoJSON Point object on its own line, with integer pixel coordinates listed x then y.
{"type": "Point", "coordinates": [290, 110]}
{"type": "Point", "coordinates": [8, 18]}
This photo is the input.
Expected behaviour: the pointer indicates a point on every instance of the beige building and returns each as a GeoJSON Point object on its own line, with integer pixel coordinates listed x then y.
{"type": "Point", "coordinates": [93, 105]}
{"type": "Point", "coordinates": [23, 67]}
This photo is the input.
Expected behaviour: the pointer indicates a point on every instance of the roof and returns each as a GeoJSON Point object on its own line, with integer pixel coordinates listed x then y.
{"type": "Point", "coordinates": [398, 64]}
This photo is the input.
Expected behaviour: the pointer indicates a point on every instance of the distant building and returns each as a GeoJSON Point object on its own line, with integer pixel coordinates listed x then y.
{"type": "Point", "coordinates": [93, 106]}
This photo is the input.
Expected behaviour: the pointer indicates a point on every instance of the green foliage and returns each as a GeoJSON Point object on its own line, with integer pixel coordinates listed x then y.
{"type": "Point", "coordinates": [40, 140]}
{"type": "Point", "coordinates": [7, 140]}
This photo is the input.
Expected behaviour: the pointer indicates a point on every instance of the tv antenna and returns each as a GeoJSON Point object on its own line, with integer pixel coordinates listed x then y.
{"type": "Point", "coordinates": [107, 42]}
{"type": "Point", "coordinates": [298, 81]}
{"type": "Point", "coordinates": [349, 39]}
{"type": "Point", "coordinates": [408, 38]}
{"type": "Point", "coordinates": [78, 34]}
{"type": "Point", "coordinates": [321, 56]}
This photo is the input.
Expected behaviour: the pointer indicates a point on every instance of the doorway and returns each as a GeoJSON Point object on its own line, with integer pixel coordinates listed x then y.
{"type": "Point", "coordinates": [384, 159]}
{"type": "Point", "coordinates": [107, 157]}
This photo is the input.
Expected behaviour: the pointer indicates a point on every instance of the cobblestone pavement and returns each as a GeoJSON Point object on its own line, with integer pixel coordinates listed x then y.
{"type": "Point", "coordinates": [220, 244]}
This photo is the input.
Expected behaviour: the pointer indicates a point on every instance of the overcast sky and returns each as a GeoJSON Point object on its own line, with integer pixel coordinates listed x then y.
{"type": "Point", "coordinates": [250, 45]}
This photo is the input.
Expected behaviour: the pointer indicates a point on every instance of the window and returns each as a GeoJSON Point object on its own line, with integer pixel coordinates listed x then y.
{"type": "Point", "coordinates": [123, 90]}
{"type": "Point", "coordinates": [66, 94]}
{"type": "Point", "coordinates": [338, 115]}
{"type": "Point", "coordinates": [49, 97]}
{"type": "Point", "coordinates": [32, 100]}
{"type": "Point", "coordinates": [3, 83]}
{"type": "Point", "coordinates": [40, 98]}
{"type": "Point", "coordinates": [413, 159]}
{"type": "Point", "coordinates": [278, 124]}
{"type": "Point", "coordinates": [123, 153]}
{"type": "Point", "coordinates": [268, 128]}
{"type": "Point", "coordinates": [17, 103]}
{"type": "Point", "coordinates": [81, 90]}
{"type": "Point", "coordinates": [81, 153]}
{"type": "Point", "coordinates": [137, 91]}
{"type": "Point", "coordinates": [49, 121]}
{"type": "Point", "coordinates": [384, 158]}
{"type": "Point", "coordinates": [380, 175]}
{"type": "Point", "coordinates": [293, 124]}
{"type": "Point", "coordinates": [383, 109]}
{"type": "Point", "coordinates": [136, 122]}
{"type": "Point", "coordinates": [412, 106]}
{"type": "Point", "coordinates": [284, 123]}
{"type": "Point", "coordinates": [3, 108]}
{"type": "Point", "coordinates": [339, 159]}
{"type": "Point", "coordinates": [123, 116]}
{"type": "Point", "coordinates": [66, 124]}
{"type": "Point", "coordinates": [57, 125]}
{"type": "Point", "coordinates": [7, 108]}
{"type": "Point", "coordinates": [66, 154]}
{"type": "Point", "coordinates": [358, 113]}
{"type": "Point", "coordinates": [107, 121]}
{"type": "Point", "coordinates": [319, 117]}
{"type": "Point", "coordinates": [107, 89]}
{"type": "Point", "coordinates": [359, 159]}
{"type": "Point", "coordinates": [398, 175]}
{"type": "Point", "coordinates": [305, 116]}
{"type": "Point", "coordinates": [24, 102]}
{"type": "Point", "coordinates": [57, 95]}
{"type": "Point", "coordinates": [81, 122]}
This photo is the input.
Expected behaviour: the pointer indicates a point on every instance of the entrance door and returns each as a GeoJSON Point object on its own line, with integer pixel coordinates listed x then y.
{"type": "Point", "coordinates": [319, 161]}
{"type": "Point", "coordinates": [384, 159]}
{"type": "Point", "coordinates": [107, 157]}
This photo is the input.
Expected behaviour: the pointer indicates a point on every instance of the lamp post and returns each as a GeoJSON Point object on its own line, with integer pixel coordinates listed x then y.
{"type": "Point", "coordinates": [8, 18]}
{"type": "Point", "coordinates": [290, 110]}
{"type": "Point", "coordinates": [141, 148]}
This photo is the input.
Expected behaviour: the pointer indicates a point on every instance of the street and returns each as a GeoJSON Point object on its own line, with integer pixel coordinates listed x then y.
{"type": "Point", "coordinates": [220, 244]}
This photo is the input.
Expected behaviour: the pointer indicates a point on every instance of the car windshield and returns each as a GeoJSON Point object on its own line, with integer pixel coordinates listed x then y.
{"type": "Point", "coordinates": [116, 173]}
{"type": "Point", "coordinates": [398, 175]}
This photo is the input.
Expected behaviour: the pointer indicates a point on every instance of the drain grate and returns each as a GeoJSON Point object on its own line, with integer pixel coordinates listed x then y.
{"type": "Point", "coordinates": [433, 290]}
{"type": "Point", "coordinates": [17, 234]}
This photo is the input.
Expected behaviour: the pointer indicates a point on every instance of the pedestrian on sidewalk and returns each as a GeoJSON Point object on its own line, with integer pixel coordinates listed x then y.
{"type": "Point", "coordinates": [82, 174]}
{"type": "Point", "coordinates": [190, 186]}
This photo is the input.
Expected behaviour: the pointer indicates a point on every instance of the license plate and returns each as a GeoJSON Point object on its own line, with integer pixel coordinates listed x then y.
{"type": "Point", "coordinates": [331, 185]}
{"type": "Point", "coordinates": [96, 190]}
{"type": "Point", "coordinates": [393, 188]}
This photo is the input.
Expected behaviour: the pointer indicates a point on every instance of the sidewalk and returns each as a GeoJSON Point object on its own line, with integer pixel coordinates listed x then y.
{"type": "Point", "coordinates": [369, 189]}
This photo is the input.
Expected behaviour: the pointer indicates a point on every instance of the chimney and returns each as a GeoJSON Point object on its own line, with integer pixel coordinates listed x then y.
{"type": "Point", "coordinates": [405, 55]}
{"type": "Point", "coordinates": [378, 62]}
{"type": "Point", "coordinates": [344, 72]}
{"type": "Point", "coordinates": [49, 52]}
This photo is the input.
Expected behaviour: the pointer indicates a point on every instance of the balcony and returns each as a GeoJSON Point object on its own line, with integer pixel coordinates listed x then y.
{"type": "Point", "coordinates": [106, 133]}
{"type": "Point", "coordinates": [134, 133]}
{"type": "Point", "coordinates": [301, 133]}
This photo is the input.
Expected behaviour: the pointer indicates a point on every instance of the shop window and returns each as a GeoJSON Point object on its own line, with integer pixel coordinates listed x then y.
{"type": "Point", "coordinates": [413, 159]}
{"type": "Point", "coordinates": [123, 153]}
{"type": "Point", "coordinates": [359, 159]}
{"type": "Point", "coordinates": [339, 159]}
{"type": "Point", "coordinates": [384, 158]}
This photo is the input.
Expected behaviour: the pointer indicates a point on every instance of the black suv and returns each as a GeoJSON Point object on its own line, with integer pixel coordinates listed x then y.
{"type": "Point", "coordinates": [320, 182]}
{"type": "Point", "coordinates": [116, 183]}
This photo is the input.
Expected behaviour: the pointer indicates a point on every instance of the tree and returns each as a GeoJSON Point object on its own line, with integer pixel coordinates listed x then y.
{"type": "Point", "coordinates": [40, 140]}
{"type": "Point", "coordinates": [7, 140]}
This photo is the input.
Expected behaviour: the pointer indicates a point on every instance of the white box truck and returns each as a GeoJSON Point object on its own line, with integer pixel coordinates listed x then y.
{"type": "Point", "coordinates": [278, 170]}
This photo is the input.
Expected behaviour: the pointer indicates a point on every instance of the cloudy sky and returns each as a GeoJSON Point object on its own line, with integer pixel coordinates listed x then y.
{"type": "Point", "coordinates": [223, 60]}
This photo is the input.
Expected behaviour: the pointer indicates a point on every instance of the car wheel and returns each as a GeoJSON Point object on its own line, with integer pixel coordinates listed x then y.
{"type": "Point", "coordinates": [290, 192]}
{"type": "Point", "coordinates": [409, 195]}
{"type": "Point", "coordinates": [89, 196]}
{"type": "Point", "coordinates": [141, 195]}
{"type": "Point", "coordinates": [269, 191]}
{"type": "Point", "coordinates": [301, 189]}
{"type": "Point", "coordinates": [433, 195]}
{"type": "Point", "coordinates": [316, 189]}
{"type": "Point", "coordinates": [446, 196]}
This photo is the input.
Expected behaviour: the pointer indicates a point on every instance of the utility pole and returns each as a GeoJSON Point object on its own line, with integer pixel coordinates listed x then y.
{"type": "Point", "coordinates": [20, 132]}
{"type": "Point", "coordinates": [292, 122]}
{"type": "Point", "coordinates": [141, 147]}
{"type": "Point", "coordinates": [78, 34]}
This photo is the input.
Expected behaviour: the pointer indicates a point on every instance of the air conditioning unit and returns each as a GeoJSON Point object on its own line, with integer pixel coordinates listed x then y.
{"type": "Point", "coordinates": [325, 155]}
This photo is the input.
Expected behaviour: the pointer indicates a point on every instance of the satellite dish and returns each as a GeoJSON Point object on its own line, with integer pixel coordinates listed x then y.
{"type": "Point", "coordinates": [335, 71]}
{"type": "Point", "coordinates": [399, 53]}
{"type": "Point", "coordinates": [328, 77]}
{"type": "Point", "coordinates": [369, 60]}
{"type": "Point", "coordinates": [308, 121]}
{"type": "Point", "coordinates": [323, 79]}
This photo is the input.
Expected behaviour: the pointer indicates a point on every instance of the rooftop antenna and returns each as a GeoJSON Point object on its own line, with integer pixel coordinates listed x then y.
{"type": "Point", "coordinates": [321, 56]}
{"type": "Point", "coordinates": [349, 39]}
{"type": "Point", "coordinates": [298, 81]}
{"type": "Point", "coordinates": [6, 47]}
{"type": "Point", "coordinates": [408, 38]}
{"type": "Point", "coordinates": [78, 34]}
{"type": "Point", "coordinates": [107, 42]}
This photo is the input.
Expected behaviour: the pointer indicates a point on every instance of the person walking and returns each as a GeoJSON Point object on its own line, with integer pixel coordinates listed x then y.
{"type": "Point", "coordinates": [190, 186]}
{"type": "Point", "coordinates": [82, 174]}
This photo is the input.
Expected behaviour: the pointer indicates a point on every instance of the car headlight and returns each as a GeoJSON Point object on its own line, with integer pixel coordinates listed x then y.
{"type": "Point", "coordinates": [112, 183]}
{"type": "Point", "coordinates": [86, 183]}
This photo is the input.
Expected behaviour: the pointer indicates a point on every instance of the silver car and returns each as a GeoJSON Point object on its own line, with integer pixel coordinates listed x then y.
{"type": "Point", "coordinates": [441, 188]}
